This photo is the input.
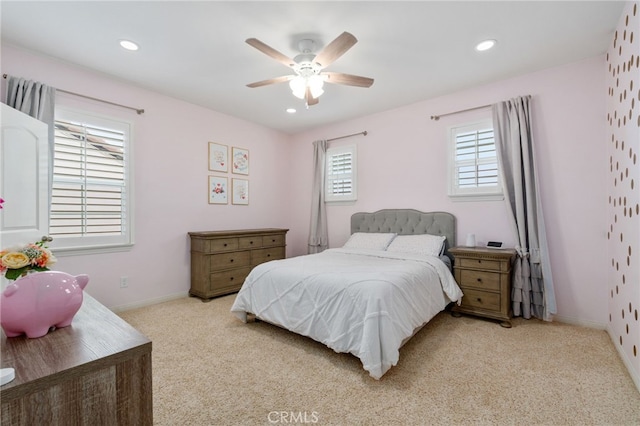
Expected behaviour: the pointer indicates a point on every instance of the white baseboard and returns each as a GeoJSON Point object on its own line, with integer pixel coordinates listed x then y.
{"type": "Point", "coordinates": [582, 323]}
{"type": "Point", "coordinates": [635, 375]}
{"type": "Point", "coordinates": [149, 302]}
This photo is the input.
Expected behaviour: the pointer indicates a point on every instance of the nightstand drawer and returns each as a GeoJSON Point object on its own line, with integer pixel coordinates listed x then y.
{"type": "Point", "coordinates": [230, 260]}
{"type": "Point", "coordinates": [491, 265]}
{"type": "Point", "coordinates": [480, 279]}
{"type": "Point", "coordinates": [481, 300]}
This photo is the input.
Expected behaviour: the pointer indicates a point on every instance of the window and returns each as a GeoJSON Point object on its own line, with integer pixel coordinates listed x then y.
{"type": "Point", "coordinates": [340, 181]}
{"type": "Point", "coordinates": [91, 188]}
{"type": "Point", "coordinates": [473, 163]}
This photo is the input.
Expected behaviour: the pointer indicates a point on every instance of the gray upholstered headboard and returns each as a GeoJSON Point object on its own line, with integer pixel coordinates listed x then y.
{"type": "Point", "coordinates": [407, 222]}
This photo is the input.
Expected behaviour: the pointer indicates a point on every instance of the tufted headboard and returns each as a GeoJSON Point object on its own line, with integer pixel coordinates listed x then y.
{"type": "Point", "coordinates": [407, 222]}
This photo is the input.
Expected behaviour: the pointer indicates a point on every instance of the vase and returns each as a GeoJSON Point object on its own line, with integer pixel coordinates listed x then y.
{"type": "Point", "coordinates": [35, 303]}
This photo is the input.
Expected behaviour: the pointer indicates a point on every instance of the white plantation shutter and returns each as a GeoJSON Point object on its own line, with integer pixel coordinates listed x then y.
{"type": "Point", "coordinates": [341, 174]}
{"type": "Point", "coordinates": [474, 163]}
{"type": "Point", "coordinates": [89, 200]}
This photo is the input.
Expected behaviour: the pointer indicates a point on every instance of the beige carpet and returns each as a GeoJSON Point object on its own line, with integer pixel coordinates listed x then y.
{"type": "Point", "coordinates": [211, 369]}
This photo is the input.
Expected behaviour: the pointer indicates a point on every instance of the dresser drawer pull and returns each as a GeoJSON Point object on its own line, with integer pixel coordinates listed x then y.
{"type": "Point", "coordinates": [478, 299]}
{"type": "Point", "coordinates": [230, 278]}
{"type": "Point", "coordinates": [250, 242]}
{"type": "Point", "coordinates": [479, 280]}
{"type": "Point", "coordinates": [230, 260]}
{"type": "Point", "coordinates": [225, 244]}
{"type": "Point", "coordinates": [269, 255]}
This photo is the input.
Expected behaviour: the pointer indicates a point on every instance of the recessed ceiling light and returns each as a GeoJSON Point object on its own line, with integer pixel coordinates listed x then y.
{"type": "Point", "coordinates": [291, 110]}
{"type": "Point", "coordinates": [129, 45]}
{"type": "Point", "coordinates": [485, 45]}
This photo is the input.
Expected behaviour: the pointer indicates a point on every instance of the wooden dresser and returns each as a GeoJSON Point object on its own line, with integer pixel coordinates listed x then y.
{"type": "Point", "coordinates": [221, 260]}
{"type": "Point", "coordinates": [484, 275]}
{"type": "Point", "coordinates": [97, 371]}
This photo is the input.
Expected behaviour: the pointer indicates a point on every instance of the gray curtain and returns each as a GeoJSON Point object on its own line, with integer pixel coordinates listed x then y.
{"type": "Point", "coordinates": [533, 293]}
{"type": "Point", "coordinates": [318, 232]}
{"type": "Point", "coordinates": [38, 101]}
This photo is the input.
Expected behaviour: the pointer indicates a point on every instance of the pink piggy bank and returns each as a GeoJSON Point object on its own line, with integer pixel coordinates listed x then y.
{"type": "Point", "coordinates": [33, 304]}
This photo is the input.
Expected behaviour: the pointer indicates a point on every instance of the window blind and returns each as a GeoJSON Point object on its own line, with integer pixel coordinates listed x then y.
{"type": "Point", "coordinates": [340, 174]}
{"type": "Point", "coordinates": [476, 161]}
{"type": "Point", "coordinates": [88, 185]}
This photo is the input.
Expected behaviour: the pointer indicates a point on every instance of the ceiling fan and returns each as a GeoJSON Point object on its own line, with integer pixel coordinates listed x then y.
{"type": "Point", "coordinates": [309, 78]}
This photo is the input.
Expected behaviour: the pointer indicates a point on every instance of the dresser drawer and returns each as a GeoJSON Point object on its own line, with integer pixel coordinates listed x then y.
{"type": "Point", "coordinates": [250, 242]}
{"type": "Point", "coordinates": [491, 265]}
{"type": "Point", "coordinates": [229, 260]}
{"type": "Point", "coordinates": [481, 300]}
{"type": "Point", "coordinates": [223, 244]}
{"type": "Point", "coordinates": [273, 240]}
{"type": "Point", "coordinates": [265, 255]}
{"type": "Point", "coordinates": [231, 279]}
{"type": "Point", "coordinates": [480, 279]}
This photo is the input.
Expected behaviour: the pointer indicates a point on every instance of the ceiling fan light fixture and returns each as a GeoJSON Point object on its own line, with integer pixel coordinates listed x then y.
{"type": "Point", "coordinates": [315, 85]}
{"type": "Point", "coordinates": [298, 86]}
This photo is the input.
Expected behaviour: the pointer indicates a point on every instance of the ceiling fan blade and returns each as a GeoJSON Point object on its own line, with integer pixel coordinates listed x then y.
{"type": "Point", "coordinates": [347, 79]}
{"type": "Point", "coordinates": [271, 81]}
{"type": "Point", "coordinates": [335, 49]}
{"type": "Point", "coordinates": [270, 51]}
{"type": "Point", "coordinates": [309, 99]}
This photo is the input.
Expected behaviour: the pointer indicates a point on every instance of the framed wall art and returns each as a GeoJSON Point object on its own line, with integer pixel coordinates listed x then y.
{"type": "Point", "coordinates": [240, 160]}
{"type": "Point", "coordinates": [240, 191]}
{"type": "Point", "coordinates": [218, 190]}
{"type": "Point", "coordinates": [218, 157]}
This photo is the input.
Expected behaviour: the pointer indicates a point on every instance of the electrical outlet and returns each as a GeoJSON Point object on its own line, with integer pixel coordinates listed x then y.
{"type": "Point", "coordinates": [124, 282]}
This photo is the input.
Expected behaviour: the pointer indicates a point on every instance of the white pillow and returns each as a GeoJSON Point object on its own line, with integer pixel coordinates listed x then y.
{"type": "Point", "coordinates": [430, 245]}
{"type": "Point", "coordinates": [369, 241]}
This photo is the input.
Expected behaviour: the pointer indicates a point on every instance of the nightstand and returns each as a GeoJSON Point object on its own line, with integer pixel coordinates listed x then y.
{"type": "Point", "coordinates": [484, 275]}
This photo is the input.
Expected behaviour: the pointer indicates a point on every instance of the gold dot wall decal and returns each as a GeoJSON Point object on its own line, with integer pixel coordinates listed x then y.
{"type": "Point", "coordinates": [623, 209]}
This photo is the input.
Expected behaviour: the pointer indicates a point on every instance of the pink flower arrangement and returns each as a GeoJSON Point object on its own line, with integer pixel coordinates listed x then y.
{"type": "Point", "coordinates": [18, 261]}
{"type": "Point", "coordinates": [1, 202]}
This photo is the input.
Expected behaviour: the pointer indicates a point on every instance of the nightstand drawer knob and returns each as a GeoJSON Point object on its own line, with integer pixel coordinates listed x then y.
{"type": "Point", "coordinates": [479, 299]}
{"type": "Point", "coordinates": [231, 260]}
{"type": "Point", "coordinates": [479, 280]}
{"type": "Point", "coordinates": [231, 279]}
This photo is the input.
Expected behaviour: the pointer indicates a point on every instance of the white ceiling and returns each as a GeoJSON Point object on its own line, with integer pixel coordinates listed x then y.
{"type": "Point", "coordinates": [416, 50]}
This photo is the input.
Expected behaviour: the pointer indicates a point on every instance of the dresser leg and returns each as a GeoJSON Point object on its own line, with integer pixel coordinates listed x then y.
{"type": "Point", "coordinates": [456, 314]}
{"type": "Point", "coordinates": [505, 324]}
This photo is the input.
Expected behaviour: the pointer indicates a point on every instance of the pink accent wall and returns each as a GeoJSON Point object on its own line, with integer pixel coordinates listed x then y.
{"type": "Point", "coordinates": [170, 149]}
{"type": "Point", "coordinates": [622, 141]}
{"type": "Point", "coordinates": [402, 163]}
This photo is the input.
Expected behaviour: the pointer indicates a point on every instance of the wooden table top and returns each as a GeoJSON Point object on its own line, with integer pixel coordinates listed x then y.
{"type": "Point", "coordinates": [95, 339]}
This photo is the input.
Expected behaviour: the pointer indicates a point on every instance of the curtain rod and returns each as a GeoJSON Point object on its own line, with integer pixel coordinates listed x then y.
{"type": "Point", "coordinates": [138, 110]}
{"type": "Point", "coordinates": [437, 117]}
{"type": "Point", "coordinates": [364, 133]}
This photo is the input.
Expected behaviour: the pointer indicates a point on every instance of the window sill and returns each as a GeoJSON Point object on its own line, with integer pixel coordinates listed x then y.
{"type": "Point", "coordinates": [476, 197]}
{"type": "Point", "coordinates": [77, 251]}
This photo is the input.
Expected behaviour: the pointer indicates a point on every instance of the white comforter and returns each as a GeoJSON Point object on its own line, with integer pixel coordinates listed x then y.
{"type": "Point", "coordinates": [361, 302]}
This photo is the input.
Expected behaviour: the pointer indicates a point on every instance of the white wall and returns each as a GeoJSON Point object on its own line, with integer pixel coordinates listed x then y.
{"type": "Point", "coordinates": [170, 149]}
{"type": "Point", "coordinates": [402, 164]}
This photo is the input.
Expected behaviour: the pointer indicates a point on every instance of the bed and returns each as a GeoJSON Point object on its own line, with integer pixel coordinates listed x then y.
{"type": "Point", "coordinates": [366, 298]}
